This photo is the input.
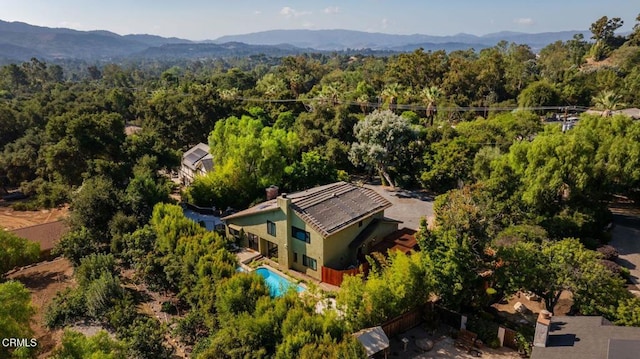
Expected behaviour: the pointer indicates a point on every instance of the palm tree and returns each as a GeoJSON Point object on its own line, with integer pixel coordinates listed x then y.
{"type": "Point", "coordinates": [229, 94]}
{"type": "Point", "coordinates": [363, 102]}
{"type": "Point", "coordinates": [390, 93]}
{"type": "Point", "coordinates": [607, 101]}
{"type": "Point", "coordinates": [430, 96]}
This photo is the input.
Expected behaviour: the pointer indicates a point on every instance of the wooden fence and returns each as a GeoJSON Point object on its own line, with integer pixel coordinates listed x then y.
{"type": "Point", "coordinates": [449, 317]}
{"type": "Point", "coordinates": [403, 322]}
{"type": "Point", "coordinates": [510, 339]}
{"type": "Point", "coordinates": [335, 276]}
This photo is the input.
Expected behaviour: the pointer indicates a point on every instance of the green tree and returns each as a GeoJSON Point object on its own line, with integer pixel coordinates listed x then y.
{"type": "Point", "coordinates": [401, 284]}
{"type": "Point", "coordinates": [430, 96]}
{"type": "Point", "coordinates": [15, 312]}
{"type": "Point", "coordinates": [16, 251]}
{"type": "Point", "coordinates": [93, 266]}
{"type": "Point", "coordinates": [99, 346]}
{"type": "Point", "coordinates": [607, 101]}
{"type": "Point", "coordinates": [603, 31]}
{"type": "Point", "coordinates": [383, 139]}
{"type": "Point", "coordinates": [537, 94]}
{"type": "Point", "coordinates": [313, 170]}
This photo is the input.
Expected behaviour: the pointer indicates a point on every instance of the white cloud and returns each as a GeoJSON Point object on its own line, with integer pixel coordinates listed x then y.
{"type": "Point", "coordinates": [526, 21]}
{"type": "Point", "coordinates": [331, 10]}
{"type": "Point", "coordinates": [307, 25]}
{"type": "Point", "coordinates": [385, 23]}
{"type": "Point", "coordinates": [257, 12]}
{"type": "Point", "coordinates": [291, 12]}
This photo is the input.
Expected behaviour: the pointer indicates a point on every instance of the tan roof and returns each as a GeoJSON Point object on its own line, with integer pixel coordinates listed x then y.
{"type": "Point", "coordinates": [328, 208]}
{"type": "Point", "coordinates": [46, 234]}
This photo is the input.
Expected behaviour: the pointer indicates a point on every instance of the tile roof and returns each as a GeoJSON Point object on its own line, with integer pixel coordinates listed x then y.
{"type": "Point", "coordinates": [328, 208]}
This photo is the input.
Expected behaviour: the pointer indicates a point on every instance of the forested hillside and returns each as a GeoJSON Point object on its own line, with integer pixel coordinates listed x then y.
{"type": "Point", "coordinates": [468, 126]}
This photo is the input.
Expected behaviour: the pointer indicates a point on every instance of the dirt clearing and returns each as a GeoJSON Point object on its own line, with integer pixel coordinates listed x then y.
{"type": "Point", "coordinates": [12, 219]}
{"type": "Point", "coordinates": [44, 280]}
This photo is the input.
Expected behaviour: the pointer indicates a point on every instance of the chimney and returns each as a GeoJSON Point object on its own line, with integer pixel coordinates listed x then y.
{"type": "Point", "coordinates": [542, 329]}
{"type": "Point", "coordinates": [272, 192]}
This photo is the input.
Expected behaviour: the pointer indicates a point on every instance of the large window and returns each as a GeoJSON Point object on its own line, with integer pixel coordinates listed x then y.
{"type": "Point", "coordinates": [309, 262]}
{"type": "Point", "coordinates": [253, 241]}
{"type": "Point", "coordinates": [272, 249]}
{"type": "Point", "coordinates": [300, 234]}
{"type": "Point", "coordinates": [271, 228]}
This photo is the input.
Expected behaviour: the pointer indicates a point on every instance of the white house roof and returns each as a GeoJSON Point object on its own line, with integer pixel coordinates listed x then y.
{"type": "Point", "coordinates": [196, 155]}
{"type": "Point", "coordinates": [373, 339]}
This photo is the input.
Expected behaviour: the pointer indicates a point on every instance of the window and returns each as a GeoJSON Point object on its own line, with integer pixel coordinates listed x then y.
{"type": "Point", "coordinates": [295, 257]}
{"type": "Point", "coordinates": [271, 228]}
{"type": "Point", "coordinates": [300, 234]}
{"type": "Point", "coordinates": [360, 224]}
{"type": "Point", "coordinates": [309, 262]}
{"type": "Point", "coordinates": [253, 241]}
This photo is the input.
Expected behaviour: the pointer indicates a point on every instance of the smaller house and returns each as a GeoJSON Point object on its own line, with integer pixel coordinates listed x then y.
{"type": "Point", "coordinates": [195, 162]}
{"type": "Point", "coordinates": [374, 340]}
{"type": "Point", "coordinates": [583, 337]}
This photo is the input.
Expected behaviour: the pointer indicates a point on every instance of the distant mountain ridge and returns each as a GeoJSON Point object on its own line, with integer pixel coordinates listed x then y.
{"type": "Point", "coordinates": [21, 41]}
{"type": "Point", "coordinates": [343, 39]}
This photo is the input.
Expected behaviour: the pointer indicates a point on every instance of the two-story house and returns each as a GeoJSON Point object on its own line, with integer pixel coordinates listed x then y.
{"type": "Point", "coordinates": [196, 161]}
{"type": "Point", "coordinates": [332, 226]}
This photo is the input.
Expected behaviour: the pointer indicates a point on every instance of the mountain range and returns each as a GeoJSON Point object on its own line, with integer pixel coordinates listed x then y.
{"type": "Point", "coordinates": [20, 42]}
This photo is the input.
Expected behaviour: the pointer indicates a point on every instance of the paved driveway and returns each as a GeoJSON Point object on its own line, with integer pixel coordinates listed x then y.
{"type": "Point", "coordinates": [626, 238]}
{"type": "Point", "coordinates": [408, 206]}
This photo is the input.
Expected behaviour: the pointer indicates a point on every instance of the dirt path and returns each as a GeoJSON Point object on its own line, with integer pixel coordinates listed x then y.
{"type": "Point", "coordinates": [626, 239]}
{"type": "Point", "coordinates": [625, 236]}
{"type": "Point", "coordinates": [44, 280]}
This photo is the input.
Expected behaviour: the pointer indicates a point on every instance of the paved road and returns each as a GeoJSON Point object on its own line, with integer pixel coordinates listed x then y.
{"type": "Point", "coordinates": [408, 206]}
{"type": "Point", "coordinates": [626, 238]}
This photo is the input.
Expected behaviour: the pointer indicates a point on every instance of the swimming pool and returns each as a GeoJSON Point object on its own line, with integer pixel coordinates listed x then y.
{"type": "Point", "coordinates": [278, 285]}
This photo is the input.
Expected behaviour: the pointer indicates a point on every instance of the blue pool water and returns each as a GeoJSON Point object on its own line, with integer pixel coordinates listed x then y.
{"type": "Point", "coordinates": [278, 285]}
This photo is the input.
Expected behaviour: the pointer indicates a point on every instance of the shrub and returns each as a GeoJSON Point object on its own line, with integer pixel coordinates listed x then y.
{"type": "Point", "coordinates": [524, 343]}
{"type": "Point", "coordinates": [486, 329]}
{"type": "Point", "coordinates": [494, 343]}
{"type": "Point", "coordinates": [614, 267]}
{"type": "Point", "coordinates": [608, 252]}
{"type": "Point", "coordinates": [168, 307]}
{"type": "Point", "coordinates": [66, 307]}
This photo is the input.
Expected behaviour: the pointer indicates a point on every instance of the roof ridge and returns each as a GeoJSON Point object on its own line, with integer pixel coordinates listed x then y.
{"type": "Point", "coordinates": [37, 225]}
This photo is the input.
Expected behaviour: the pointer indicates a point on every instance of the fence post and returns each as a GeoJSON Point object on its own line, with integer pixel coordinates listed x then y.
{"type": "Point", "coordinates": [501, 332]}
{"type": "Point", "coordinates": [463, 322]}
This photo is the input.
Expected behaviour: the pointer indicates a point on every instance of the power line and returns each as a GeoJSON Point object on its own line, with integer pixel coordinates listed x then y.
{"type": "Point", "coordinates": [414, 106]}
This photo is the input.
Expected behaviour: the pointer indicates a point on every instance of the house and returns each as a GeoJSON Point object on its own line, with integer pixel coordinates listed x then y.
{"type": "Point", "coordinates": [45, 234]}
{"type": "Point", "coordinates": [196, 161]}
{"type": "Point", "coordinates": [332, 226]}
{"type": "Point", "coordinates": [583, 337]}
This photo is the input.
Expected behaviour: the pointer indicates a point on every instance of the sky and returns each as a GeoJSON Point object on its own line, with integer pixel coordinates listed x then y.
{"type": "Point", "coordinates": [208, 20]}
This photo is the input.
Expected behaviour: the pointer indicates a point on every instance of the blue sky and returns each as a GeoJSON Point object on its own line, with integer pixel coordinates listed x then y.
{"type": "Point", "coordinates": [202, 19]}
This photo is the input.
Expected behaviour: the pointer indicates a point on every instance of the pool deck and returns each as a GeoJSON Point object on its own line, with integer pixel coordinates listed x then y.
{"type": "Point", "coordinates": [299, 276]}
{"type": "Point", "coordinates": [246, 256]}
